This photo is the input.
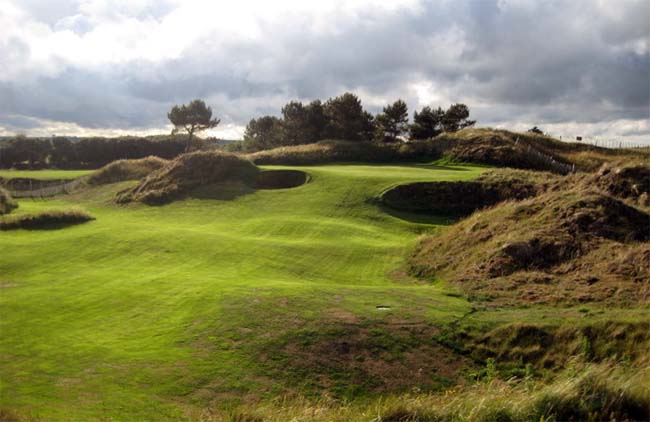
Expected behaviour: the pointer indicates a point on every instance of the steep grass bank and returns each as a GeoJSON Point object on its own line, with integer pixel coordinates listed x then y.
{"type": "Point", "coordinates": [122, 170]}
{"type": "Point", "coordinates": [582, 239]}
{"type": "Point", "coordinates": [187, 172]}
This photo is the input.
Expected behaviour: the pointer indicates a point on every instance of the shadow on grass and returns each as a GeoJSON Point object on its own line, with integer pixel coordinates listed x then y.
{"type": "Point", "coordinates": [226, 191]}
{"type": "Point", "coordinates": [48, 220]}
{"type": "Point", "coordinates": [417, 217]}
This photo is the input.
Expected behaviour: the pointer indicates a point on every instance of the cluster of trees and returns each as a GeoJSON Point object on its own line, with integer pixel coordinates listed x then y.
{"type": "Point", "coordinates": [61, 152]}
{"type": "Point", "coordinates": [343, 117]}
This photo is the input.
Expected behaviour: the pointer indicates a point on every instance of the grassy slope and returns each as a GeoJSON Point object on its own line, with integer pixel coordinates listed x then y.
{"type": "Point", "coordinates": [146, 312]}
{"type": "Point", "coordinates": [44, 174]}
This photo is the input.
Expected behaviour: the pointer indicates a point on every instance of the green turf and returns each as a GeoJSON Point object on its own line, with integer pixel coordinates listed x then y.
{"type": "Point", "coordinates": [154, 313]}
{"type": "Point", "coordinates": [44, 174]}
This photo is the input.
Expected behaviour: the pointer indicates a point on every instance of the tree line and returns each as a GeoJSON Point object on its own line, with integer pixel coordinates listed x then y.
{"type": "Point", "coordinates": [344, 117]}
{"type": "Point", "coordinates": [64, 153]}
{"type": "Point", "coordinates": [341, 117]}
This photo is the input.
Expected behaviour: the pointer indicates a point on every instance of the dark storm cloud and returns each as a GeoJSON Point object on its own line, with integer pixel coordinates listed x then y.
{"type": "Point", "coordinates": [552, 61]}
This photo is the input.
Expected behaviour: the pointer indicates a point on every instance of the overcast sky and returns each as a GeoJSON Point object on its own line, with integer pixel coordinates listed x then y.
{"type": "Point", "coordinates": [111, 67]}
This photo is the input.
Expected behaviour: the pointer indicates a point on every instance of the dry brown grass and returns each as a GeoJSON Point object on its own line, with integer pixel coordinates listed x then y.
{"type": "Point", "coordinates": [346, 151]}
{"type": "Point", "coordinates": [187, 172]}
{"type": "Point", "coordinates": [484, 146]}
{"type": "Point", "coordinates": [603, 392]}
{"type": "Point", "coordinates": [573, 243]}
{"type": "Point", "coordinates": [122, 170]}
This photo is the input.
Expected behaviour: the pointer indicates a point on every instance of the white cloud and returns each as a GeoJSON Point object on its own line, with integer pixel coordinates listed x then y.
{"type": "Point", "coordinates": [118, 65]}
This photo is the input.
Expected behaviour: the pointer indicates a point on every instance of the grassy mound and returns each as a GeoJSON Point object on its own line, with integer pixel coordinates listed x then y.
{"type": "Point", "coordinates": [462, 198]}
{"type": "Point", "coordinates": [45, 220]}
{"type": "Point", "coordinates": [531, 151]}
{"type": "Point", "coordinates": [484, 146]}
{"type": "Point", "coordinates": [627, 182]}
{"type": "Point", "coordinates": [346, 151]}
{"type": "Point", "coordinates": [121, 170]}
{"type": "Point", "coordinates": [550, 248]}
{"type": "Point", "coordinates": [7, 203]}
{"type": "Point", "coordinates": [280, 179]}
{"type": "Point", "coordinates": [187, 172]}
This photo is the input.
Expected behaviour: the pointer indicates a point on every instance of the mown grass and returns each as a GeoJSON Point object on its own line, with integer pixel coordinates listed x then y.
{"type": "Point", "coordinates": [186, 310]}
{"type": "Point", "coordinates": [152, 313]}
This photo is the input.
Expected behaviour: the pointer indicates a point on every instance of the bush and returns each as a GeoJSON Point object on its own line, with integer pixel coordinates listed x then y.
{"type": "Point", "coordinates": [188, 172]}
{"type": "Point", "coordinates": [45, 220]}
{"type": "Point", "coordinates": [121, 170]}
{"type": "Point", "coordinates": [7, 203]}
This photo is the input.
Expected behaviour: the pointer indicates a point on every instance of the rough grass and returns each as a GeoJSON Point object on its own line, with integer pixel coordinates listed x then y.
{"type": "Point", "coordinates": [628, 182]}
{"type": "Point", "coordinates": [588, 393]}
{"type": "Point", "coordinates": [187, 172]}
{"type": "Point", "coordinates": [345, 151]}
{"type": "Point", "coordinates": [510, 149]}
{"type": "Point", "coordinates": [7, 203]}
{"type": "Point", "coordinates": [482, 146]}
{"type": "Point", "coordinates": [122, 170]}
{"type": "Point", "coordinates": [549, 248]}
{"type": "Point", "coordinates": [50, 219]}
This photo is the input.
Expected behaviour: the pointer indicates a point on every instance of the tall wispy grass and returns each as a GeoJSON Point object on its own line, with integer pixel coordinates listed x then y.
{"type": "Point", "coordinates": [601, 392]}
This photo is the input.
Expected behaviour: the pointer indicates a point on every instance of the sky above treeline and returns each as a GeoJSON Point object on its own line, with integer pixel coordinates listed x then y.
{"type": "Point", "coordinates": [115, 67]}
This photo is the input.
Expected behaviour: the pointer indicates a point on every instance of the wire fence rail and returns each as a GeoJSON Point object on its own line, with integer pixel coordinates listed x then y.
{"type": "Point", "coordinates": [544, 160]}
{"type": "Point", "coordinates": [48, 191]}
{"type": "Point", "coordinates": [608, 143]}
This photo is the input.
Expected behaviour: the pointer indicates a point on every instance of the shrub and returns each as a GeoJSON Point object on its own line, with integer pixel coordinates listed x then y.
{"type": "Point", "coordinates": [188, 172]}
{"type": "Point", "coordinates": [45, 220]}
{"type": "Point", "coordinates": [7, 203]}
{"type": "Point", "coordinates": [121, 170]}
